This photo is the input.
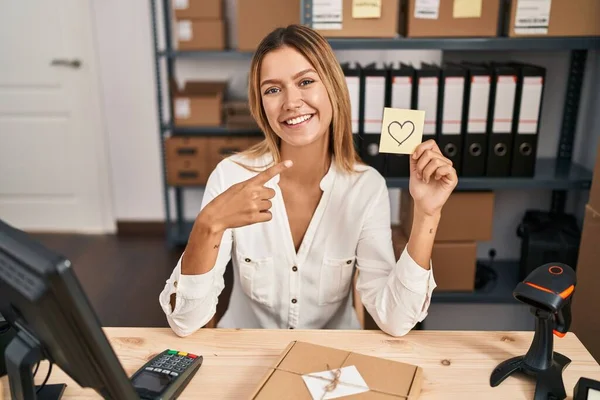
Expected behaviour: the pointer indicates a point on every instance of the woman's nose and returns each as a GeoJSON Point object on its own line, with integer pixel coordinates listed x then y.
{"type": "Point", "coordinates": [293, 99]}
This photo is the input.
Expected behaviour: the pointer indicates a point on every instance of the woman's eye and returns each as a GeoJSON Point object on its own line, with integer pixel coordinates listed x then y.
{"type": "Point", "coordinates": [271, 90]}
{"type": "Point", "coordinates": [306, 82]}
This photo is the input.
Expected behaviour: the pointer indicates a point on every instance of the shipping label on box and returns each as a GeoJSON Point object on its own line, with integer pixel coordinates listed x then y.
{"type": "Point", "coordinates": [533, 17]}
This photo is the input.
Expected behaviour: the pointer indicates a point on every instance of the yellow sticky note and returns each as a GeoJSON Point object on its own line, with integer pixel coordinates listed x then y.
{"type": "Point", "coordinates": [366, 8]}
{"type": "Point", "coordinates": [401, 130]}
{"type": "Point", "coordinates": [467, 9]}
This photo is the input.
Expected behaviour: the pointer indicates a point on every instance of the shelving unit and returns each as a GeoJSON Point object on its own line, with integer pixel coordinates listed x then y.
{"type": "Point", "coordinates": [558, 174]}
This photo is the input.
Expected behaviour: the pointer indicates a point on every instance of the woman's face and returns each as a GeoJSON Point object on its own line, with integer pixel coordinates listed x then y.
{"type": "Point", "coordinates": [294, 98]}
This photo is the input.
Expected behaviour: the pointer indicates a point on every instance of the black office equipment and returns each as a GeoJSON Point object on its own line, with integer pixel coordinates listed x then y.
{"type": "Point", "coordinates": [166, 374]}
{"type": "Point", "coordinates": [450, 113]}
{"type": "Point", "coordinates": [547, 237]}
{"type": "Point", "coordinates": [501, 123]}
{"type": "Point", "coordinates": [549, 291]}
{"type": "Point", "coordinates": [475, 113]}
{"type": "Point", "coordinates": [374, 84]}
{"type": "Point", "coordinates": [402, 95]}
{"type": "Point", "coordinates": [42, 300]}
{"type": "Point", "coordinates": [427, 92]}
{"type": "Point", "coordinates": [530, 89]}
{"type": "Point", "coordinates": [353, 73]}
{"type": "Point", "coordinates": [7, 333]}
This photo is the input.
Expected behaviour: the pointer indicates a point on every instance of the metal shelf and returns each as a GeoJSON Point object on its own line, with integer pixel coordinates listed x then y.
{"type": "Point", "coordinates": [498, 292]}
{"type": "Point", "coordinates": [210, 131]}
{"type": "Point", "coordinates": [550, 174]}
{"type": "Point", "coordinates": [403, 43]}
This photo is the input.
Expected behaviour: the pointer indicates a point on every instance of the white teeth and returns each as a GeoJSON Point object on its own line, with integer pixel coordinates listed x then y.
{"type": "Point", "coordinates": [295, 121]}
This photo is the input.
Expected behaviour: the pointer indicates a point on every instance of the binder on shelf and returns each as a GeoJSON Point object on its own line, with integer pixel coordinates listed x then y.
{"type": "Point", "coordinates": [476, 116]}
{"type": "Point", "coordinates": [427, 93]}
{"type": "Point", "coordinates": [401, 93]}
{"type": "Point", "coordinates": [376, 91]}
{"type": "Point", "coordinates": [501, 123]}
{"type": "Point", "coordinates": [530, 89]}
{"type": "Point", "coordinates": [450, 113]}
{"type": "Point", "coordinates": [353, 73]}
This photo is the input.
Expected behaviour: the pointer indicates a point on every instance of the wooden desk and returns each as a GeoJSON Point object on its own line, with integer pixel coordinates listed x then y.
{"type": "Point", "coordinates": [457, 365]}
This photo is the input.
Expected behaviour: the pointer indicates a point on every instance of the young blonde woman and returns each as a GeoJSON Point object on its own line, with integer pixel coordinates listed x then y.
{"type": "Point", "coordinates": [299, 211]}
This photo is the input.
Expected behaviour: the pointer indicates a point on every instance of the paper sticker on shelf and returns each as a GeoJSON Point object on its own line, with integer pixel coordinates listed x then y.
{"type": "Point", "coordinates": [184, 31]}
{"type": "Point", "coordinates": [467, 9]}
{"type": "Point", "coordinates": [366, 8]}
{"type": "Point", "coordinates": [427, 9]}
{"type": "Point", "coordinates": [182, 108]}
{"type": "Point", "coordinates": [327, 14]}
{"type": "Point", "coordinates": [532, 17]}
{"type": "Point", "coordinates": [181, 4]}
{"type": "Point", "coordinates": [348, 382]}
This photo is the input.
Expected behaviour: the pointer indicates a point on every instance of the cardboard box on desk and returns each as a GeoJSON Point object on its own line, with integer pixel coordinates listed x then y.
{"type": "Point", "coordinates": [566, 18]}
{"type": "Point", "coordinates": [198, 103]}
{"type": "Point", "coordinates": [237, 115]}
{"type": "Point", "coordinates": [586, 324]}
{"type": "Point", "coordinates": [257, 18]}
{"type": "Point", "coordinates": [383, 379]}
{"type": "Point", "coordinates": [207, 9]}
{"type": "Point", "coordinates": [387, 25]}
{"type": "Point", "coordinates": [452, 20]}
{"type": "Point", "coordinates": [466, 216]}
{"type": "Point", "coordinates": [200, 34]}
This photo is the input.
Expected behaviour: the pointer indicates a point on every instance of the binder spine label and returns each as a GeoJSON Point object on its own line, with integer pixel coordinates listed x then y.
{"type": "Point", "coordinates": [478, 104]}
{"type": "Point", "coordinates": [401, 92]}
{"type": "Point", "coordinates": [427, 101]}
{"type": "Point", "coordinates": [506, 87]}
{"type": "Point", "coordinates": [454, 89]}
{"type": "Point", "coordinates": [353, 84]}
{"type": "Point", "coordinates": [374, 103]}
{"type": "Point", "coordinates": [531, 100]}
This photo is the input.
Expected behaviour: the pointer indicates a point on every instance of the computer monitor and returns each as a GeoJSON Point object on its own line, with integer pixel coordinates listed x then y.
{"type": "Point", "coordinates": [52, 319]}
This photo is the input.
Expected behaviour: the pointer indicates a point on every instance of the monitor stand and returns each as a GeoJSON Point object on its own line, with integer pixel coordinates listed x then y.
{"type": "Point", "coordinates": [22, 354]}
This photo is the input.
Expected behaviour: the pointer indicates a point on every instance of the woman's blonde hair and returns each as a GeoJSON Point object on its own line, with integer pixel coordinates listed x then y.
{"type": "Point", "coordinates": [318, 52]}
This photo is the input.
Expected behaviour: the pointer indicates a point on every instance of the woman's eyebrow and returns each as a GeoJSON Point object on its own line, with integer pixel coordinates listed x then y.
{"type": "Point", "coordinates": [304, 71]}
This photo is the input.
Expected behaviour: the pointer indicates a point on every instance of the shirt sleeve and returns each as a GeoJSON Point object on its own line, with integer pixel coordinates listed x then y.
{"type": "Point", "coordinates": [197, 295]}
{"type": "Point", "coordinates": [397, 294]}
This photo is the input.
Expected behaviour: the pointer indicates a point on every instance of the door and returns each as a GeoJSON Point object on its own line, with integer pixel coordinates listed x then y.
{"type": "Point", "coordinates": [53, 151]}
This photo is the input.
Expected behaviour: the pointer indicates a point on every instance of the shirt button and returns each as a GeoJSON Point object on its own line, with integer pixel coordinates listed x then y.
{"type": "Point", "coordinates": [294, 301]}
{"type": "Point", "coordinates": [291, 327]}
{"type": "Point", "coordinates": [349, 262]}
{"type": "Point", "coordinates": [247, 260]}
{"type": "Point", "coordinates": [294, 268]}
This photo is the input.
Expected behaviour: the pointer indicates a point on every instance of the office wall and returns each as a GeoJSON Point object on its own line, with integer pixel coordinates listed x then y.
{"type": "Point", "coordinates": [127, 73]}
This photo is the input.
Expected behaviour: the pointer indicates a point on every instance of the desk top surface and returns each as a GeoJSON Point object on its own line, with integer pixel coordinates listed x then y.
{"type": "Point", "coordinates": [456, 365]}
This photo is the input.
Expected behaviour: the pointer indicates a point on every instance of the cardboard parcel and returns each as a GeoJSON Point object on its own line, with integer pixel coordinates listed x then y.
{"type": "Point", "coordinates": [309, 371]}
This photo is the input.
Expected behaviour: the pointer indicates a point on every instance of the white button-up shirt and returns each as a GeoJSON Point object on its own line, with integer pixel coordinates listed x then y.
{"type": "Point", "coordinates": [277, 287]}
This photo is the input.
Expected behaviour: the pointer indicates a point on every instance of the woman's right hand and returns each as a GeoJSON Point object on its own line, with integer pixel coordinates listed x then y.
{"type": "Point", "coordinates": [245, 203]}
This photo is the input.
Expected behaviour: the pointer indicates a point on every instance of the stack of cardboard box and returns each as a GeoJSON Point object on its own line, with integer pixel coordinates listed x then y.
{"type": "Point", "coordinates": [467, 218]}
{"type": "Point", "coordinates": [586, 298]}
{"type": "Point", "coordinates": [199, 24]}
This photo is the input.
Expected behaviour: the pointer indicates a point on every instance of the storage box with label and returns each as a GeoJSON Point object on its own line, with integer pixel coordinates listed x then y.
{"type": "Point", "coordinates": [351, 18]}
{"type": "Point", "coordinates": [453, 18]}
{"type": "Point", "coordinates": [466, 216]}
{"type": "Point", "coordinates": [198, 103]}
{"type": "Point", "coordinates": [257, 18]}
{"type": "Point", "coordinates": [309, 371]}
{"type": "Point", "coordinates": [237, 115]}
{"type": "Point", "coordinates": [195, 9]}
{"type": "Point", "coordinates": [200, 34]}
{"type": "Point", "coordinates": [554, 18]}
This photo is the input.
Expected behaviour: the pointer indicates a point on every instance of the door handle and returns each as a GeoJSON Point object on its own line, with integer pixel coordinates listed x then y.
{"type": "Point", "coordinates": [66, 63]}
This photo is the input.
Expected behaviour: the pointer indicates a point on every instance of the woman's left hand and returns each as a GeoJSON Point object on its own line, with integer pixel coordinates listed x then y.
{"type": "Point", "coordinates": [432, 178]}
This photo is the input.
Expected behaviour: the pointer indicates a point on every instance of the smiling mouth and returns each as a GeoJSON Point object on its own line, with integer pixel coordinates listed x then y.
{"type": "Point", "coordinates": [298, 120]}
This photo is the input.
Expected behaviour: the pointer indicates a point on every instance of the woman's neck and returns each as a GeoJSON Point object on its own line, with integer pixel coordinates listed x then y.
{"type": "Point", "coordinates": [311, 162]}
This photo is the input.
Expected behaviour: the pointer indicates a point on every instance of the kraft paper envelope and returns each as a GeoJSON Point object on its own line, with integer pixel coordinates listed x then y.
{"type": "Point", "coordinates": [401, 130]}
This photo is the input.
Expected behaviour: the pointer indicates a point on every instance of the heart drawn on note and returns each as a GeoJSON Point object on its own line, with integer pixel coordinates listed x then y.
{"type": "Point", "coordinates": [400, 132]}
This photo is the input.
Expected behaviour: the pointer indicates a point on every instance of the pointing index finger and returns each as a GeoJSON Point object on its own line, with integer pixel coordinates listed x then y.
{"type": "Point", "coordinates": [270, 172]}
